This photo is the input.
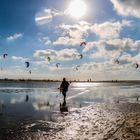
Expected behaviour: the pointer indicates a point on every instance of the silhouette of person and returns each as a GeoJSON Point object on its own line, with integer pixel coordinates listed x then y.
{"type": "Point", "coordinates": [64, 87]}
{"type": "Point", "coordinates": [27, 98]}
{"type": "Point", "coordinates": [63, 107]}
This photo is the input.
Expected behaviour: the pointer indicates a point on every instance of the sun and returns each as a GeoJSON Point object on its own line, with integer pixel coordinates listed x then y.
{"type": "Point", "coordinates": [77, 8]}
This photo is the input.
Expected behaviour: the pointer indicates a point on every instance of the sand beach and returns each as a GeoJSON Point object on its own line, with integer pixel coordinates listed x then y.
{"type": "Point", "coordinates": [95, 122]}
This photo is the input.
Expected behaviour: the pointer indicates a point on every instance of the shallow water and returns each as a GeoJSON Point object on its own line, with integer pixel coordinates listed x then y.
{"type": "Point", "coordinates": [31, 101]}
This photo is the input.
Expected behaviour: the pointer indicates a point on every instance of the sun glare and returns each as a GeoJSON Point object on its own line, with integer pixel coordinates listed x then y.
{"type": "Point", "coordinates": [77, 9]}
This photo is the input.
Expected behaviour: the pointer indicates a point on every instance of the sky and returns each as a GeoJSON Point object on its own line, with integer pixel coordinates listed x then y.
{"type": "Point", "coordinates": [48, 34]}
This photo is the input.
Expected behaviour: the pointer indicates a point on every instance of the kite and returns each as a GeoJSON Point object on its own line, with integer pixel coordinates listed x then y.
{"type": "Point", "coordinates": [27, 64]}
{"type": "Point", "coordinates": [49, 59]}
{"type": "Point", "coordinates": [83, 44]}
{"type": "Point", "coordinates": [4, 55]}
{"type": "Point", "coordinates": [136, 65]}
{"type": "Point", "coordinates": [77, 67]}
{"type": "Point", "coordinates": [81, 56]}
{"type": "Point", "coordinates": [117, 61]}
{"type": "Point", "coordinates": [30, 72]}
{"type": "Point", "coordinates": [57, 65]}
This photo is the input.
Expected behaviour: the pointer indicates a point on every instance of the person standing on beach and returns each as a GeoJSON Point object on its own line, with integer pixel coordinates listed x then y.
{"type": "Point", "coordinates": [64, 87]}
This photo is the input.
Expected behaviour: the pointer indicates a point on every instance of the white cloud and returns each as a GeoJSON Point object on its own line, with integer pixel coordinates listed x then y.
{"type": "Point", "coordinates": [137, 58]}
{"type": "Point", "coordinates": [127, 7]}
{"type": "Point", "coordinates": [67, 41]}
{"type": "Point", "coordinates": [76, 32]}
{"type": "Point", "coordinates": [126, 59]}
{"type": "Point", "coordinates": [67, 54]}
{"type": "Point", "coordinates": [72, 35]}
{"type": "Point", "coordinates": [103, 51]}
{"type": "Point", "coordinates": [43, 54]}
{"type": "Point", "coordinates": [15, 37]}
{"type": "Point", "coordinates": [45, 40]}
{"type": "Point", "coordinates": [114, 44]}
{"type": "Point", "coordinates": [19, 58]}
{"type": "Point", "coordinates": [62, 55]}
{"type": "Point", "coordinates": [43, 63]}
{"type": "Point", "coordinates": [109, 30]}
{"type": "Point", "coordinates": [90, 66]}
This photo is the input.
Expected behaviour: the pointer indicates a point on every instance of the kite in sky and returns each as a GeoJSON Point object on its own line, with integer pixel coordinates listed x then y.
{"type": "Point", "coordinates": [77, 67]}
{"type": "Point", "coordinates": [49, 59]}
{"type": "Point", "coordinates": [27, 64]}
{"type": "Point", "coordinates": [83, 44]}
{"type": "Point", "coordinates": [81, 56]}
{"type": "Point", "coordinates": [136, 65]}
{"type": "Point", "coordinates": [30, 72]}
{"type": "Point", "coordinates": [4, 55]}
{"type": "Point", "coordinates": [57, 65]}
{"type": "Point", "coordinates": [117, 61]}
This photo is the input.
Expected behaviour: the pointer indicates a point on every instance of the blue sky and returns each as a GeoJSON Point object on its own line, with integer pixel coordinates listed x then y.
{"type": "Point", "coordinates": [33, 30]}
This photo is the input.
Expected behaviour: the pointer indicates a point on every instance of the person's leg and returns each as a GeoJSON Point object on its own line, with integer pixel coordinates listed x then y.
{"type": "Point", "coordinates": [64, 94]}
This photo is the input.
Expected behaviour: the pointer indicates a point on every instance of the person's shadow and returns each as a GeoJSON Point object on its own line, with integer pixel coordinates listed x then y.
{"type": "Point", "coordinates": [63, 107]}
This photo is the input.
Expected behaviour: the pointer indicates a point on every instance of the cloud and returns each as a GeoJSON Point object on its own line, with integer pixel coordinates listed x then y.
{"type": "Point", "coordinates": [19, 58]}
{"type": "Point", "coordinates": [46, 15]}
{"type": "Point", "coordinates": [67, 41]}
{"type": "Point", "coordinates": [99, 71]}
{"type": "Point", "coordinates": [126, 59]}
{"type": "Point", "coordinates": [43, 54]}
{"type": "Point", "coordinates": [103, 51]}
{"type": "Point", "coordinates": [127, 7]}
{"type": "Point", "coordinates": [124, 44]}
{"type": "Point", "coordinates": [109, 30]}
{"type": "Point", "coordinates": [106, 30]}
{"type": "Point", "coordinates": [45, 40]}
{"type": "Point", "coordinates": [72, 35]}
{"type": "Point", "coordinates": [67, 54]}
{"type": "Point", "coordinates": [62, 55]}
{"type": "Point", "coordinates": [15, 37]}
{"type": "Point", "coordinates": [137, 58]}
{"type": "Point", "coordinates": [76, 30]}
{"type": "Point", "coordinates": [43, 63]}
{"type": "Point", "coordinates": [90, 66]}
{"type": "Point", "coordinates": [101, 45]}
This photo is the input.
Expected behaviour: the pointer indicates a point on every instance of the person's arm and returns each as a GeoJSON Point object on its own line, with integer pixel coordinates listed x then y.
{"type": "Point", "coordinates": [61, 87]}
{"type": "Point", "coordinates": [68, 84]}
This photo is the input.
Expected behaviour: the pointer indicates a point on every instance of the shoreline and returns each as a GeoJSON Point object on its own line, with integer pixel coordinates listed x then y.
{"type": "Point", "coordinates": [73, 81]}
{"type": "Point", "coordinates": [100, 121]}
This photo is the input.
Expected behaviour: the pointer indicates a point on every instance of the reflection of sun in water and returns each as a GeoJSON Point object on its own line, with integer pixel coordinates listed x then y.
{"type": "Point", "coordinates": [77, 8]}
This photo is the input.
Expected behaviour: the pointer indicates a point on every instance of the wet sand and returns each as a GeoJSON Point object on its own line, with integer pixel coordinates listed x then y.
{"type": "Point", "coordinates": [115, 121]}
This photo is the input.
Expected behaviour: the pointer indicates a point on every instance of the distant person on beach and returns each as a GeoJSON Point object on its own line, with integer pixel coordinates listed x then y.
{"type": "Point", "coordinates": [64, 87]}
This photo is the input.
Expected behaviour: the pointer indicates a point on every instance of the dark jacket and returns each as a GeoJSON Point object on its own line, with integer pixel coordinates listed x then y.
{"type": "Point", "coordinates": [64, 85]}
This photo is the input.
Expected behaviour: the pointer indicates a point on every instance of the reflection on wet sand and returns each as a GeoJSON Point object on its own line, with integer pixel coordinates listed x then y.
{"type": "Point", "coordinates": [42, 105]}
{"type": "Point", "coordinates": [27, 98]}
{"type": "Point", "coordinates": [63, 107]}
{"type": "Point", "coordinates": [2, 107]}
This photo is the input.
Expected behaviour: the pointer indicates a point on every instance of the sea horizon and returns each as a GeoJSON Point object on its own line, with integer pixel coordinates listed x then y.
{"type": "Point", "coordinates": [50, 80]}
